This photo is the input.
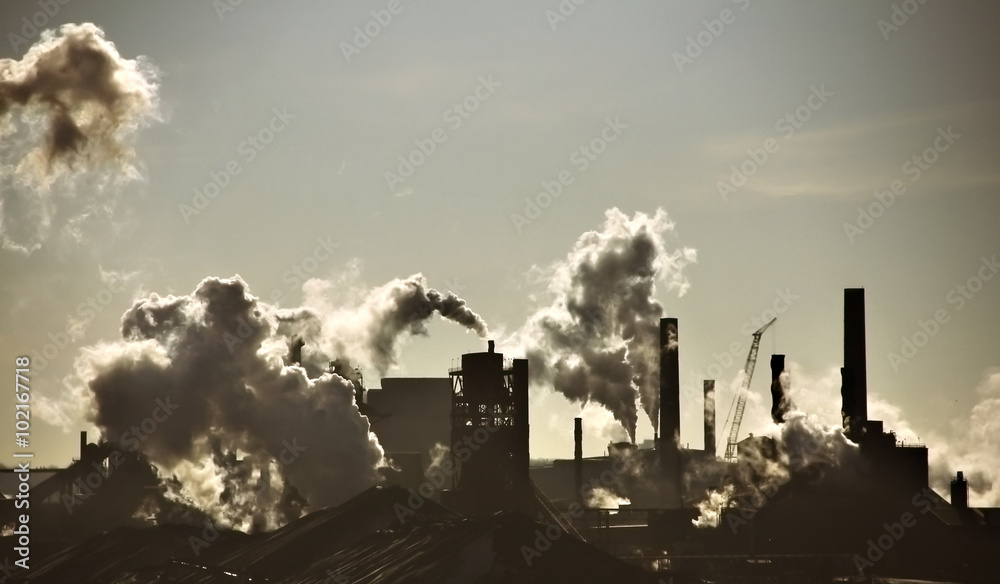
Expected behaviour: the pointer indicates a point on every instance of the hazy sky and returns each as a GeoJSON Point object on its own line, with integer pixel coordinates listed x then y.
{"type": "Point", "coordinates": [688, 91]}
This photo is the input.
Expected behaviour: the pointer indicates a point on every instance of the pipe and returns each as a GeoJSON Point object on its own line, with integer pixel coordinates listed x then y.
{"type": "Point", "coordinates": [710, 444]}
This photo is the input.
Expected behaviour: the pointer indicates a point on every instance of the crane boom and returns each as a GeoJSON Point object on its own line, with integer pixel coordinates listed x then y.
{"type": "Point", "coordinates": [741, 395]}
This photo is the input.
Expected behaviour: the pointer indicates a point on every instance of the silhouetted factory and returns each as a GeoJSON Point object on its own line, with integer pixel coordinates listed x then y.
{"type": "Point", "coordinates": [478, 511]}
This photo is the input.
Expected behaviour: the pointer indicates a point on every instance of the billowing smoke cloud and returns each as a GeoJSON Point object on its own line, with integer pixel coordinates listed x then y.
{"type": "Point", "coordinates": [598, 339]}
{"type": "Point", "coordinates": [801, 444]}
{"type": "Point", "coordinates": [371, 329]}
{"type": "Point", "coordinates": [603, 498]}
{"type": "Point", "coordinates": [199, 385]}
{"type": "Point", "coordinates": [68, 111]}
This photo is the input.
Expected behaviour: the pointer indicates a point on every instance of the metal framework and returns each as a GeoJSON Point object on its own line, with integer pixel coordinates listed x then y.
{"type": "Point", "coordinates": [740, 400]}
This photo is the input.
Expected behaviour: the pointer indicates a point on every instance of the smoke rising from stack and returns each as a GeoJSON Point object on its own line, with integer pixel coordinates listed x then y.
{"type": "Point", "coordinates": [598, 339]}
{"type": "Point", "coordinates": [799, 445]}
{"type": "Point", "coordinates": [68, 112]}
{"type": "Point", "coordinates": [370, 330]}
{"type": "Point", "coordinates": [255, 440]}
{"type": "Point", "coordinates": [781, 404]}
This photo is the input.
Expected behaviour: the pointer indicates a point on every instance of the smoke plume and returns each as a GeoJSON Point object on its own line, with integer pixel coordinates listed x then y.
{"type": "Point", "coordinates": [68, 111]}
{"type": "Point", "coordinates": [799, 445]}
{"type": "Point", "coordinates": [598, 339]}
{"type": "Point", "coordinates": [371, 329]}
{"type": "Point", "coordinates": [781, 404]}
{"type": "Point", "coordinates": [198, 385]}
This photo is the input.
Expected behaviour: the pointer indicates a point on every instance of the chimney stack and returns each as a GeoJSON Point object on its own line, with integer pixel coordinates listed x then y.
{"type": "Point", "coordinates": [854, 386]}
{"type": "Point", "coordinates": [491, 346]}
{"type": "Point", "coordinates": [578, 458]}
{"type": "Point", "coordinates": [83, 443]}
{"type": "Point", "coordinates": [779, 402]}
{"type": "Point", "coordinates": [960, 492]}
{"type": "Point", "coordinates": [710, 416]}
{"type": "Point", "coordinates": [670, 415]}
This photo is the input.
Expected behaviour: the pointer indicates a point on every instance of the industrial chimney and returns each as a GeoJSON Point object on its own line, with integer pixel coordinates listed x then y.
{"type": "Point", "coordinates": [960, 492]}
{"type": "Point", "coordinates": [578, 458]}
{"type": "Point", "coordinates": [779, 402]}
{"type": "Point", "coordinates": [670, 416]}
{"type": "Point", "coordinates": [854, 385]}
{"type": "Point", "coordinates": [710, 416]}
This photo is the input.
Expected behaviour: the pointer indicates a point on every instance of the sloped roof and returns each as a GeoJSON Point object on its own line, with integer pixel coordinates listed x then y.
{"type": "Point", "coordinates": [320, 533]}
{"type": "Point", "coordinates": [504, 548]}
{"type": "Point", "coordinates": [378, 537]}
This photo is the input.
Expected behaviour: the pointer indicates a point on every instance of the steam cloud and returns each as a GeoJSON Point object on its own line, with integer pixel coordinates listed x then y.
{"type": "Point", "coordinates": [202, 385]}
{"type": "Point", "coordinates": [598, 340]}
{"type": "Point", "coordinates": [801, 444]}
{"type": "Point", "coordinates": [371, 330]}
{"type": "Point", "coordinates": [68, 110]}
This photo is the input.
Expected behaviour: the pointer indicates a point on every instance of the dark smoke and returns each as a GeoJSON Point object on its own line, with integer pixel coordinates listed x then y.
{"type": "Point", "coordinates": [598, 340]}
{"type": "Point", "coordinates": [370, 331]}
{"type": "Point", "coordinates": [69, 107]}
{"type": "Point", "coordinates": [199, 386]}
{"type": "Point", "coordinates": [781, 404]}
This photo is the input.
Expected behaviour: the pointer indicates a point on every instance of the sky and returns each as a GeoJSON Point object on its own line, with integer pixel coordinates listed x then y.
{"type": "Point", "coordinates": [799, 147]}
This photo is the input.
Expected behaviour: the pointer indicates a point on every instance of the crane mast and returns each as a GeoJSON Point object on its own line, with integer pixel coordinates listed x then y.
{"type": "Point", "coordinates": [741, 395]}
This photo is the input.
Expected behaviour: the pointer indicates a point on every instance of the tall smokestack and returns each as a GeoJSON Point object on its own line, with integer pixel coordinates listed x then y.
{"type": "Point", "coordinates": [779, 403]}
{"type": "Point", "coordinates": [710, 416]}
{"type": "Point", "coordinates": [854, 388]}
{"type": "Point", "coordinates": [83, 442]}
{"type": "Point", "coordinates": [670, 415]}
{"type": "Point", "coordinates": [960, 492]}
{"type": "Point", "coordinates": [578, 458]}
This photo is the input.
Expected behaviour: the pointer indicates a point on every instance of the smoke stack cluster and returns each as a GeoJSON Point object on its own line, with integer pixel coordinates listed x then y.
{"type": "Point", "coordinates": [68, 109]}
{"type": "Point", "coordinates": [598, 340]}
{"type": "Point", "coordinates": [854, 387]}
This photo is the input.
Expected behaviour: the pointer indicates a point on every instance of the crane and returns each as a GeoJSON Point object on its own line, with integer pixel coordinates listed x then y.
{"type": "Point", "coordinates": [740, 399]}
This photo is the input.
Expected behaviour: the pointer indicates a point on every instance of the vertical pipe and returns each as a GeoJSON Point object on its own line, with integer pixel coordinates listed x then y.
{"type": "Point", "coordinates": [83, 443]}
{"type": "Point", "coordinates": [578, 458]}
{"type": "Point", "coordinates": [670, 415]}
{"type": "Point", "coordinates": [855, 372]}
{"type": "Point", "coordinates": [710, 444]}
{"type": "Point", "coordinates": [779, 404]}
